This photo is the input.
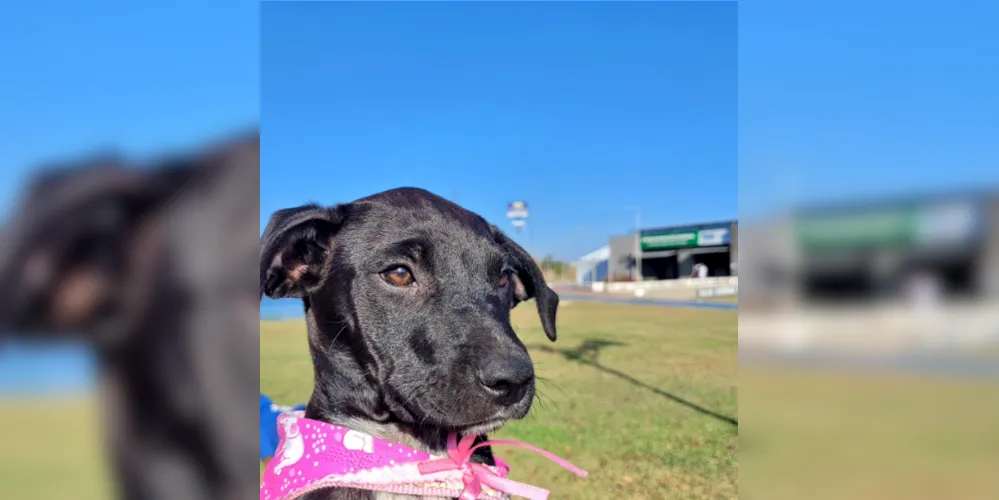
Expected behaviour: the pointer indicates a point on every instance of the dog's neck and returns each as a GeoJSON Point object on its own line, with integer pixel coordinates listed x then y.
{"type": "Point", "coordinates": [347, 394]}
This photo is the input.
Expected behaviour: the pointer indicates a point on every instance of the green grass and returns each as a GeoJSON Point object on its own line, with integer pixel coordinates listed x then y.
{"type": "Point", "coordinates": [640, 397]}
{"type": "Point", "coordinates": [988, 351]}
{"type": "Point", "coordinates": [726, 298]}
{"type": "Point", "coordinates": [53, 450]}
{"type": "Point", "coordinates": [811, 434]}
{"type": "Point", "coordinates": [826, 434]}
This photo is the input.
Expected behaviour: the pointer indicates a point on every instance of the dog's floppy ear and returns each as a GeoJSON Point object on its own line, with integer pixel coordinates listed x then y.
{"type": "Point", "coordinates": [529, 282]}
{"type": "Point", "coordinates": [82, 234]}
{"type": "Point", "coordinates": [295, 248]}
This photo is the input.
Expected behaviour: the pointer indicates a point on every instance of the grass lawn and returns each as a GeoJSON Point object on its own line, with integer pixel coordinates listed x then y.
{"type": "Point", "coordinates": [823, 434]}
{"type": "Point", "coordinates": [54, 450]}
{"type": "Point", "coordinates": [989, 351]}
{"type": "Point", "coordinates": [725, 298]}
{"type": "Point", "coordinates": [644, 398]}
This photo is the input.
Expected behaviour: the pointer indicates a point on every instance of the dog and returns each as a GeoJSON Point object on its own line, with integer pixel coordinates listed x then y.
{"type": "Point", "coordinates": [151, 265]}
{"type": "Point", "coordinates": [407, 299]}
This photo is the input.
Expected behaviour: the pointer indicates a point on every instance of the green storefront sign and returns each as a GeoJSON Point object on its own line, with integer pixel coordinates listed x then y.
{"type": "Point", "coordinates": [863, 230]}
{"type": "Point", "coordinates": [684, 239]}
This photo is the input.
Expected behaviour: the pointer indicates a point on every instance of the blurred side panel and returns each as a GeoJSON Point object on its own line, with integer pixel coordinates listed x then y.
{"type": "Point", "coordinates": [129, 349]}
{"type": "Point", "coordinates": [869, 206]}
{"type": "Point", "coordinates": [128, 202]}
{"type": "Point", "coordinates": [868, 349]}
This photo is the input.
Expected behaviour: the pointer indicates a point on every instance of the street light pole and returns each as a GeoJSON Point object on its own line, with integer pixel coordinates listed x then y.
{"type": "Point", "coordinates": [638, 241]}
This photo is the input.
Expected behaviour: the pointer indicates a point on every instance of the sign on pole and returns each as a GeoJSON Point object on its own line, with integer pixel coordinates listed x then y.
{"type": "Point", "coordinates": [517, 213]}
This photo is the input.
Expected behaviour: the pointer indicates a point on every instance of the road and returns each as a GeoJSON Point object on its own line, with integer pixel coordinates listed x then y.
{"type": "Point", "coordinates": [913, 363]}
{"type": "Point", "coordinates": [617, 299]}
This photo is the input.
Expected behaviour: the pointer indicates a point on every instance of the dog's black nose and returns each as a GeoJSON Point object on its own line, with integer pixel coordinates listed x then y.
{"type": "Point", "coordinates": [506, 378]}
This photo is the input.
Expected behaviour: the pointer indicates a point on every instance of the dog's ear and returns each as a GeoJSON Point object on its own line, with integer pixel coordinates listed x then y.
{"type": "Point", "coordinates": [77, 239]}
{"type": "Point", "coordinates": [295, 249]}
{"type": "Point", "coordinates": [529, 282]}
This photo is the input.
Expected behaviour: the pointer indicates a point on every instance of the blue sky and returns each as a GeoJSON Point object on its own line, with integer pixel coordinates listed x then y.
{"type": "Point", "coordinates": [77, 76]}
{"type": "Point", "coordinates": [848, 99]}
{"type": "Point", "coordinates": [836, 99]}
{"type": "Point", "coordinates": [581, 110]}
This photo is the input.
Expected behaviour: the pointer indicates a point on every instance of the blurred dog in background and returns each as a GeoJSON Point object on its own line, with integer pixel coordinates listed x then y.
{"type": "Point", "coordinates": [152, 264]}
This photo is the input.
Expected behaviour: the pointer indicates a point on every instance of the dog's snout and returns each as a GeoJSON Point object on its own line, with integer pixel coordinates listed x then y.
{"type": "Point", "coordinates": [506, 378]}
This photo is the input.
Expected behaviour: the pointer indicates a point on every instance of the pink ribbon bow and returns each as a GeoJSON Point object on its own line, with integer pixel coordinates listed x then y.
{"type": "Point", "coordinates": [474, 475]}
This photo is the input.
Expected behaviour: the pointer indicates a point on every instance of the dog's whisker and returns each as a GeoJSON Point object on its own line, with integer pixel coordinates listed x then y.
{"type": "Point", "coordinates": [545, 400]}
{"type": "Point", "coordinates": [551, 383]}
{"type": "Point", "coordinates": [541, 405]}
{"type": "Point", "coordinates": [415, 393]}
{"type": "Point", "coordinates": [338, 333]}
{"type": "Point", "coordinates": [423, 421]}
{"type": "Point", "coordinates": [540, 402]}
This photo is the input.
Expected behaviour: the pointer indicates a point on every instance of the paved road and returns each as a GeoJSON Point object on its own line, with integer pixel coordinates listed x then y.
{"type": "Point", "coordinates": [915, 363]}
{"type": "Point", "coordinates": [614, 299]}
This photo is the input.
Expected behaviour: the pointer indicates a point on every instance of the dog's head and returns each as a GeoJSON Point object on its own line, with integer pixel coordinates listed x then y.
{"type": "Point", "coordinates": [420, 291]}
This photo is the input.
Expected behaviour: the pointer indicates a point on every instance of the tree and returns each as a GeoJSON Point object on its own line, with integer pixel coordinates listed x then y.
{"type": "Point", "coordinates": [553, 266]}
{"type": "Point", "coordinates": [628, 261]}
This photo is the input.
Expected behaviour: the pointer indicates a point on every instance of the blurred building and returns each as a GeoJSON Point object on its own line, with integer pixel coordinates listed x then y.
{"type": "Point", "coordinates": [593, 266]}
{"type": "Point", "coordinates": [944, 246]}
{"type": "Point", "coordinates": [671, 252]}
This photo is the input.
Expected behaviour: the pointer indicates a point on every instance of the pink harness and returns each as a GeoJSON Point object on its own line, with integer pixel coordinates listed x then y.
{"type": "Point", "coordinates": [314, 455]}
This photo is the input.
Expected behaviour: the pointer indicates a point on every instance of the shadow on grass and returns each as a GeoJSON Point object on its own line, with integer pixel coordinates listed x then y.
{"type": "Point", "coordinates": [587, 354]}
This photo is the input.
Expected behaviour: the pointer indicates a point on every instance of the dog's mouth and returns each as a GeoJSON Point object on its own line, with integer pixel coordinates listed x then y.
{"type": "Point", "coordinates": [482, 427]}
{"type": "Point", "coordinates": [451, 422]}
{"type": "Point", "coordinates": [456, 409]}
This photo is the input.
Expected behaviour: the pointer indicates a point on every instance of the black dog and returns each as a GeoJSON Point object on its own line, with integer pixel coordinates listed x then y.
{"type": "Point", "coordinates": [149, 264]}
{"type": "Point", "coordinates": [407, 299]}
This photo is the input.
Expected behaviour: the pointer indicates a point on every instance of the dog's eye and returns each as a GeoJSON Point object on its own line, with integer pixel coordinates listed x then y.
{"type": "Point", "coordinates": [398, 276]}
{"type": "Point", "coordinates": [504, 281]}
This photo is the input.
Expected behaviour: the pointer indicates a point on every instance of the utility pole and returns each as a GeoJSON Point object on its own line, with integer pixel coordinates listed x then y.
{"type": "Point", "coordinates": [638, 241]}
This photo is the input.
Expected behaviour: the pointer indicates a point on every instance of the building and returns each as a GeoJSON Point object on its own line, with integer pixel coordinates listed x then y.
{"type": "Point", "coordinates": [671, 252]}
{"type": "Point", "coordinates": [593, 266]}
{"type": "Point", "coordinates": [882, 249]}
{"type": "Point", "coordinates": [620, 262]}
{"type": "Point", "coordinates": [874, 250]}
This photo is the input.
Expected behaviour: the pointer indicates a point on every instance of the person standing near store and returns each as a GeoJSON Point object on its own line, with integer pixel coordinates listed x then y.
{"type": "Point", "coordinates": [699, 271]}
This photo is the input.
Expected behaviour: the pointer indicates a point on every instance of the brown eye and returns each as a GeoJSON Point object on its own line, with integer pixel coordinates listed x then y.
{"type": "Point", "coordinates": [504, 280]}
{"type": "Point", "coordinates": [398, 276]}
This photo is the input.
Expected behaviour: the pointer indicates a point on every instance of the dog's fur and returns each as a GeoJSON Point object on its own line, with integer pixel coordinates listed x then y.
{"type": "Point", "coordinates": [401, 362]}
{"type": "Point", "coordinates": [148, 264]}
